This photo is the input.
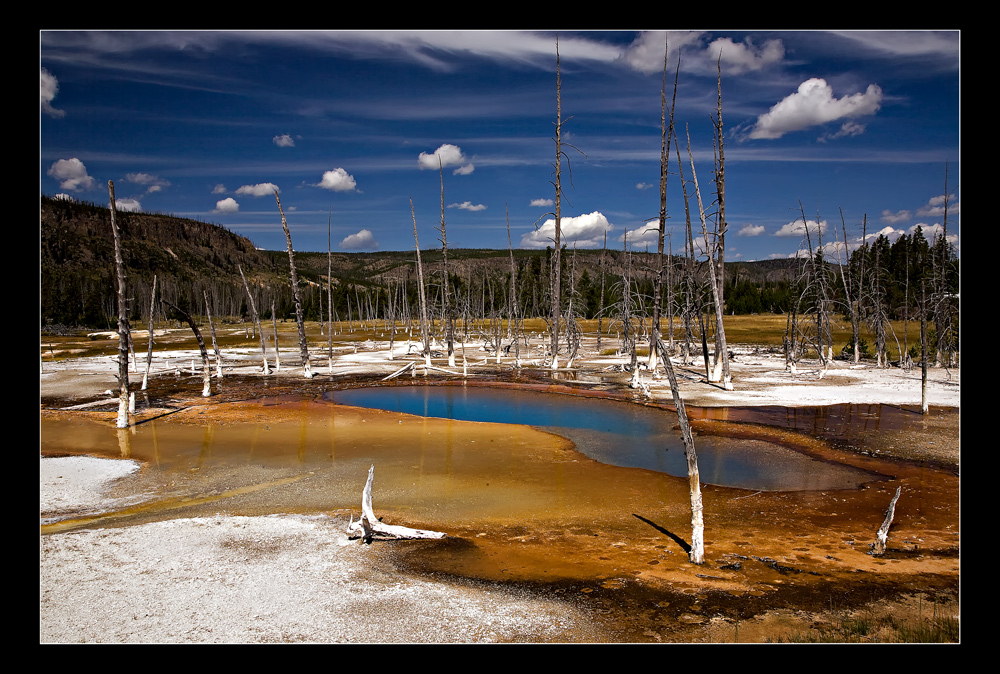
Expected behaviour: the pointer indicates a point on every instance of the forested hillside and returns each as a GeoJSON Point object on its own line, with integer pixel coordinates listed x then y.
{"type": "Point", "coordinates": [192, 259]}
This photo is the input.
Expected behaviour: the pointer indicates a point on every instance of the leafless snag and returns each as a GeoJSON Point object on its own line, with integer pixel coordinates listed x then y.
{"type": "Point", "coordinates": [256, 320]}
{"type": "Point", "coordinates": [206, 390]}
{"type": "Point", "coordinates": [149, 348]}
{"type": "Point", "coordinates": [123, 327]}
{"type": "Point", "coordinates": [215, 344]}
{"type": "Point", "coordinates": [424, 328]}
{"type": "Point", "coordinates": [303, 346]}
{"type": "Point", "coordinates": [697, 551]}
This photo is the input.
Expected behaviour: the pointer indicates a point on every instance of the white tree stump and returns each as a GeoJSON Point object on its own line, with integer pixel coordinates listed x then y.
{"type": "Point", "coordinates": [369, 527]}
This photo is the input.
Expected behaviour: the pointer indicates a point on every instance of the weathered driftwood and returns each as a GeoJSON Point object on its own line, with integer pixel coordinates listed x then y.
{"type": "Point", "coordinates": [369, 527]}
{"type": "Point", "coordinates": [878, 547]}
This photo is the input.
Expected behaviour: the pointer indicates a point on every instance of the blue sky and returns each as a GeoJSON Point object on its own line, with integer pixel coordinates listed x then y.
{"type": "Point", "coordinates": [349, 126]}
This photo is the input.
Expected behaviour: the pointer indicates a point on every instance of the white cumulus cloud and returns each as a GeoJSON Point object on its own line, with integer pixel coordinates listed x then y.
{"type": "Point", "coordinates": [798, 228]}
{"type": "Point", "coordinates": [750, 230]}
{"type": "Point", "coordinates": [258, 190]}
{"type": "Point", "coordinates": [446, 156]}
{"type": "Point", "coordinates": [813, 105]}
{"type": "Point", "coordinates": [541, 202]}
{"type": "Point", "coordinates": [284, 140]}
{"type": "Point", "coordinates": [582, 231]}
{"type": "Point", "coordinates": [128, 204]}
{"type": "Point", "coordinates": [649, 233]}
{"type": "Point", "coordinates": [227, 205]}
{"type": "Point", "coordinates": [48, 88]}
{"type": "Point", "coordinates": [338, 180]}
{"type": "Point", "coordinates": [363, 239]}
{"type": "Point", "coordinates": [72, 175]}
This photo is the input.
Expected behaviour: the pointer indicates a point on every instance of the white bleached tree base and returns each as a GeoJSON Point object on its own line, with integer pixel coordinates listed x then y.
{"type": "Point", "coordinates": [369, 526]}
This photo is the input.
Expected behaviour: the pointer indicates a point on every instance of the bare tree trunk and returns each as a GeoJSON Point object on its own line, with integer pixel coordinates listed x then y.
{"type": "Point", "coordinates": [206, 389]}
{"type": "Point", "coordinates": [149, 348]}
{"type": "Point", "coordinates": [514, 322]}
{"type": "Point", "coordinates": [697, 552]}
{"type": "Point", "coordinates": [303, 346]}
{"type": "Point", "coordinates": [449, 319]}
{"type": "Point", "coordinates": [716, 291]}
{"type": "Point", "coordinates": [852, 301]}
{"type": "Point", "coordinates": [654, 330]}
{"type": "Point", "coordinates": [424, 328]}
{"type": "Point", "coordinates": [329, 292]}
{"type": "Point", "coordinates": [215, 343]}
{"type": "Point", "coordinates": [600, 309]}
{"type": "Point", "coordinates": [123, 328]}
{"type": "Point", "coordinates": [923, 349]}
{"type": "Point", "coordinates": [274, 323]}
{"type": "Point", "coordinates": [721, 349]}
{"type": "Point", "coordinates": [556, 268]}
{"type": "Point", "coordinates": [256, 321]}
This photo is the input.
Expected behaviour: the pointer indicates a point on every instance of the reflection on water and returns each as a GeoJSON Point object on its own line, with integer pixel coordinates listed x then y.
{"type": "Point", "coordinates": [617, 433]}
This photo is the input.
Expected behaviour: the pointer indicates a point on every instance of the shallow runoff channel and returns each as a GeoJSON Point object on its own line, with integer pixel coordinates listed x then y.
{"type": "Point", "coordinates": [617, 433]}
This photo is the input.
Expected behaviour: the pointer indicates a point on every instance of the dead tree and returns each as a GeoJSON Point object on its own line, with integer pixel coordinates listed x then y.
{"type": "Point", "coordinates": [123, 327]}
{"type": "Point", "coordinates": [573, 311]}
{"type": "Point", "coordinates": [721, 349]}
{"type": "Point", "coordinates": [691, 307]}
{"type": "Point", "coordinates": [720, 336]}
{"type": "Point", "coordinates": [924, 409]}
{"type": "Point", "coordinates": [665, 136]}
{"type": "Point", "coordinates": [817, 274]}
{"type": "Point", "coordinates": [206, 389]}
{"type": "Point", "coordinates": [850, 299]}
{"type": "Point", "coordinates": [329, 293]}
{"type": "Point", "coordinates": [274, 324]}
{"type": "Point", "coordinates": [424, 327]}
{"type": "Point", "coordinates": [447, 313]}
{"type": "Point", "coordinates": [555, 271]}
{"type": "Point", "coordinates": [513, 324]}
{"type": "Point", "coordinates": [256, 321]}
{"type": "Point", "coordinates": [296, 295]}
{"type": "Point", "coordinates": [600, 307]}
{"type": "Point", "coordinates": [215, 343]}
{"type": "Point", "coordinates": [944, 300]}
{"type": "Point", "coordinates": [697, 552]}
{"type": "Point", "coordinates": [370, 527]}
{"type": "Point", "coordinates": [149, 348]}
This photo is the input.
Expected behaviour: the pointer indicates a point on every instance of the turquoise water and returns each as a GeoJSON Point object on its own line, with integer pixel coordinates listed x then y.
{"type": "Point", "coordinates": [617, 433]}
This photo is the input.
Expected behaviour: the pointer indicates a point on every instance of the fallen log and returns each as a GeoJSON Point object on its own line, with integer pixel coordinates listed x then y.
{"type": "Point", "coordinates": [878, 547]}
{"type": "Point", "coordinates": [400, 371]}
{"type": "Point", "coordinates": [369, 527]}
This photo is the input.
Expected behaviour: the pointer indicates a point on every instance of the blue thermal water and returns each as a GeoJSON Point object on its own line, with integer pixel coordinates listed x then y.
{"type": "Point", "coordinates": [616, 433]}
